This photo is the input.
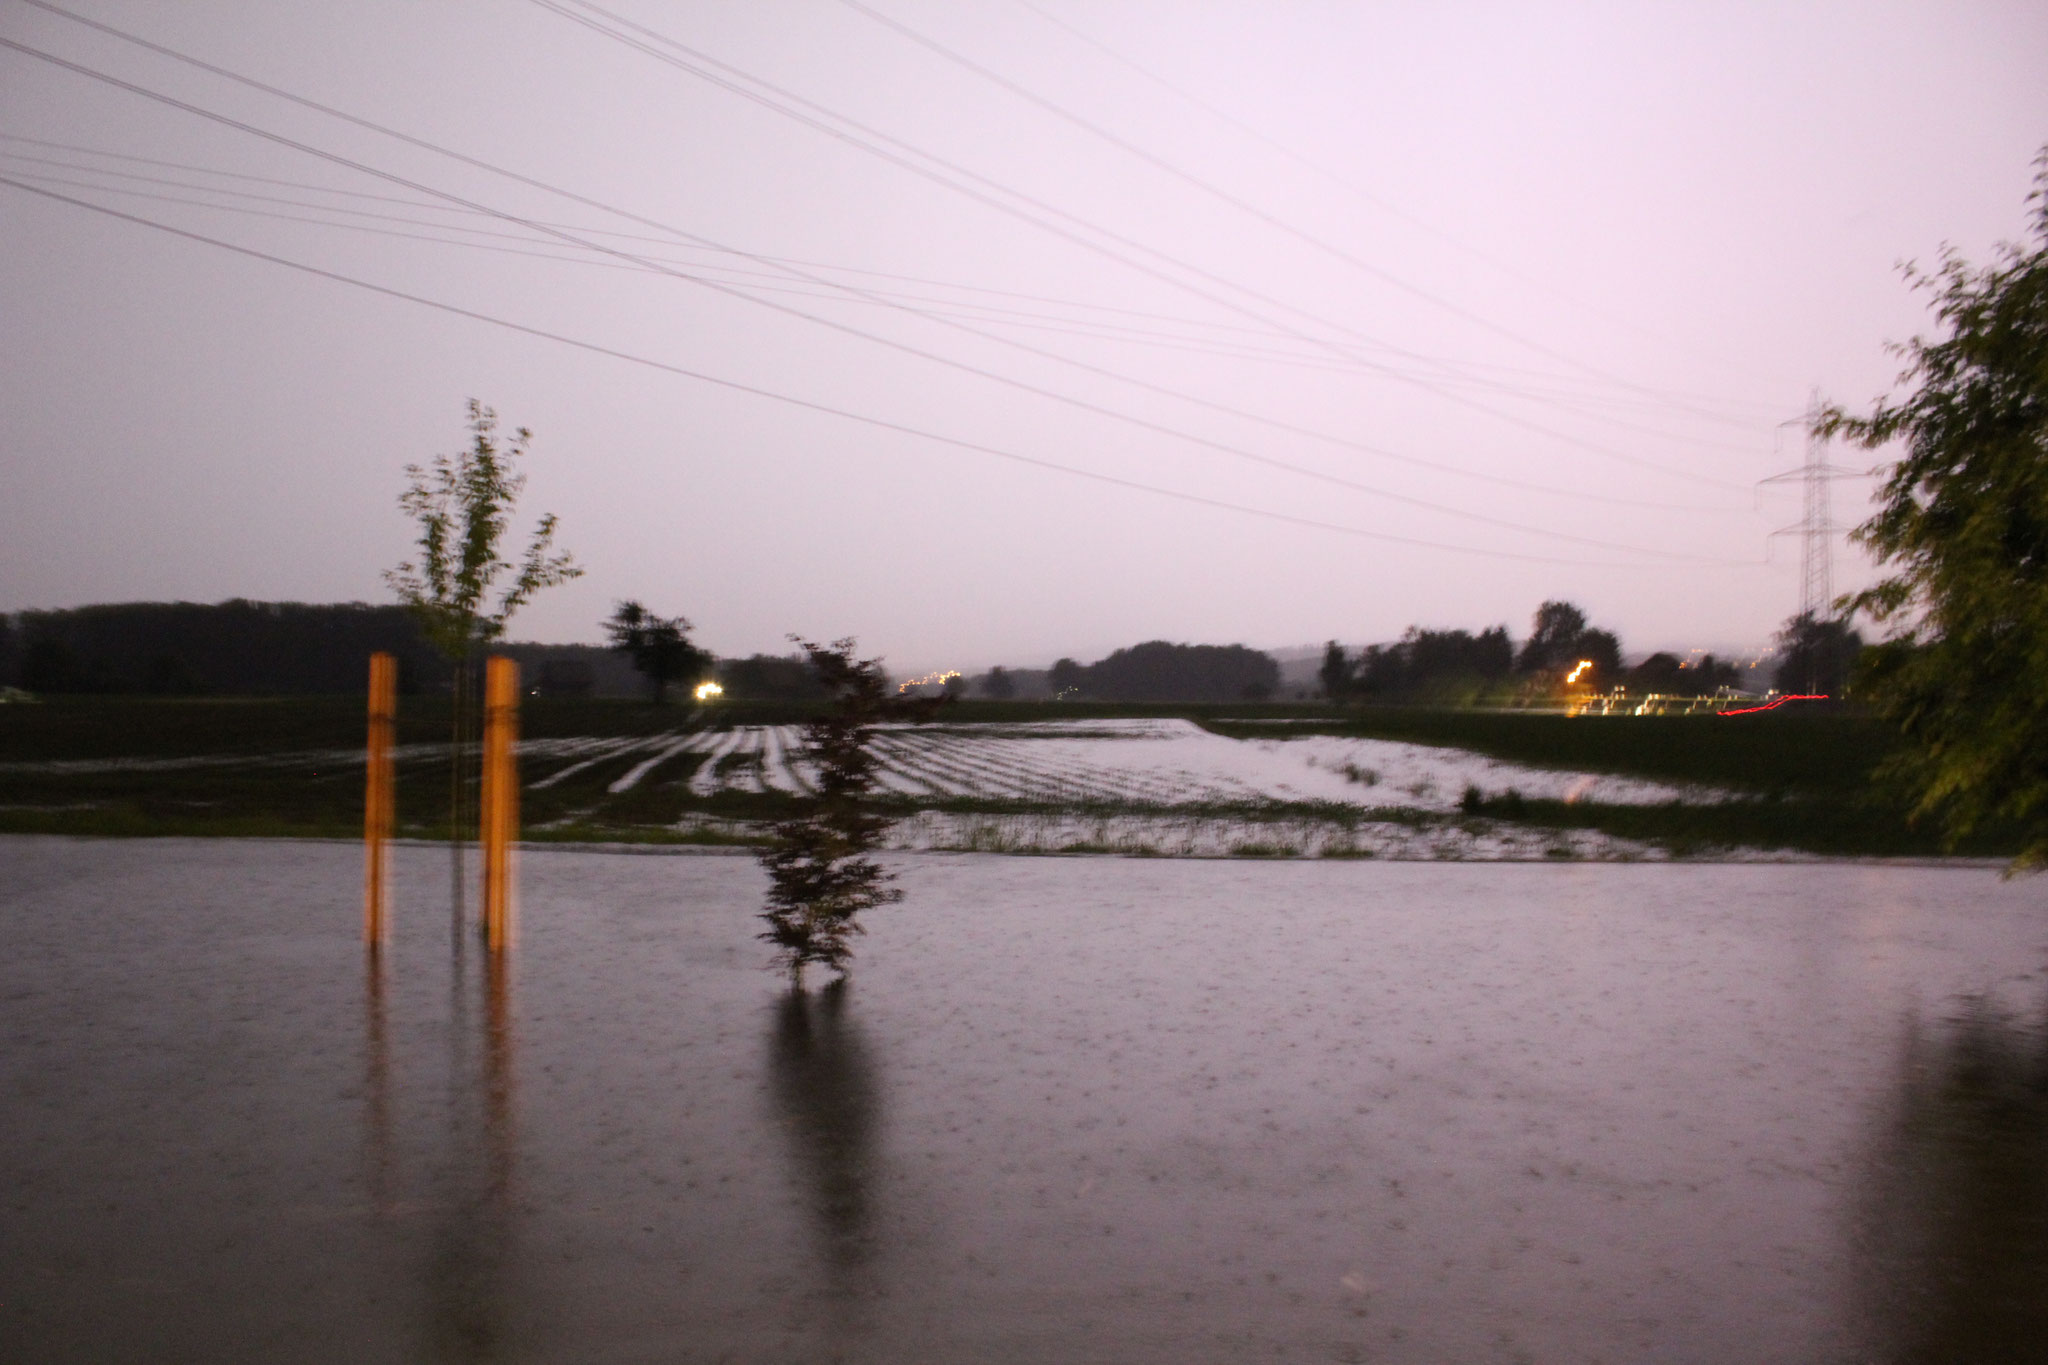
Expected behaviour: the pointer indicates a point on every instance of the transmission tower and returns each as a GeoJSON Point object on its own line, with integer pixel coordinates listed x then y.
{"type": "Point", "coordinates": [1817, 528]}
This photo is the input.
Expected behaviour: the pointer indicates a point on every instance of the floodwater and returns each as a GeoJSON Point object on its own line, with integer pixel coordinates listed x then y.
{"type": "Point", "coordinates": [1069, 1110]}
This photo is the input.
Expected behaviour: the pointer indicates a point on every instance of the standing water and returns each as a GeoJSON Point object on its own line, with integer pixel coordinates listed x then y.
{"type": "Point", "coordinates": [1068, 1110]}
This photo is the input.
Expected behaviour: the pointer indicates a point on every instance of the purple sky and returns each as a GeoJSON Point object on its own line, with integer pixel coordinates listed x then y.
{"type": "Point", "coordinates": [1479, 305]}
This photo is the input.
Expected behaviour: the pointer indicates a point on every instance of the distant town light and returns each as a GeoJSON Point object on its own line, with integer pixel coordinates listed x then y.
{"type": "Point", "coordinates": [1584, 664]}
{"type": "Point", "coordinates": [707, 691]}
{"type": "Point", "coordinates": [930, 679]}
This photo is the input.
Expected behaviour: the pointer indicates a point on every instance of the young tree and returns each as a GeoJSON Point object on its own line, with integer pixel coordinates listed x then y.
{"type": "Point", "coordinates": [820, 872]}
{"type": "Point", "coordinates": [659, 647]}
{"type": "Point", "coordinates": [463, 505]}
{"type": "Point", "coordinates": [1964, 526]}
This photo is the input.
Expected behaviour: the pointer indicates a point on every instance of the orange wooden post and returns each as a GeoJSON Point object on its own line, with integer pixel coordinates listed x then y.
{"type": "Point", "coordinates": [379, 799]}
{"type": "Point", "coordinates": [499, 822]}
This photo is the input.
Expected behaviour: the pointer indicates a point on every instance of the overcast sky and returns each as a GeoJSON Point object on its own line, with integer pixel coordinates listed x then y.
{"type": "Point", "coordinates": [987, 332]}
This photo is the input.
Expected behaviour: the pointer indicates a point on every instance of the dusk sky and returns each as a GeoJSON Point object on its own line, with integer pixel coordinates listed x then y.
{"type": "Point", "coordinates": [986, 332]}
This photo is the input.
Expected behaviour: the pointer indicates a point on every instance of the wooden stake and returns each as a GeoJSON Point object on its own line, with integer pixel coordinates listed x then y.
{"type": "Point", "coordinates": [380, 806]}
{"type": "Point", "coordinates": [499, 816]}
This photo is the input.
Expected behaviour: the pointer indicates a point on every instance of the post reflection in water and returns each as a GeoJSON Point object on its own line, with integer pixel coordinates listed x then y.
{"type": "Point", "coordinates": [457, 1202]}
{"type": "Point", "coordinates": [376, 1084]}
{"type": "Point", "coordinates": [1952, 1223]}
{"type": "Point", "coordinates": [469, 1267]}
{"type": "Point", "coordinates": [824, 1092]}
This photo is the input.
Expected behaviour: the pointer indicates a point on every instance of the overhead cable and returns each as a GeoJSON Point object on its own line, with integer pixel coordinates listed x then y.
{"type": "Point", "coordinates": [1022, 385]}
{"type": "Point", "coordinates": [795, 401]}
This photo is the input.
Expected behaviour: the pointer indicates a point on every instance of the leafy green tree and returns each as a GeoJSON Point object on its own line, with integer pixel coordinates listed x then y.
{"type": "Point", "coordinates": [821, 874]}
{"type": "Point", "coordinates": [1963, 527]}
{"type": "Point", "coordinates": [659, 647]}
{"type": "Point", "coordinates": [463, 504]}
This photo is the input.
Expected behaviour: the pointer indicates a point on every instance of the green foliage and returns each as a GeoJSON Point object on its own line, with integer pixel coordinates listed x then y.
{"type": "Point", "coordinates": [463, 505]}
{"type": "Point", "coordinates": [1777, 752]}
{"type": "Point", "coordinates": [1964, 529]}
{"type": "Point", "coordinates": [820, 874]}
{"type": "Point", "coordinates": [659, 647]}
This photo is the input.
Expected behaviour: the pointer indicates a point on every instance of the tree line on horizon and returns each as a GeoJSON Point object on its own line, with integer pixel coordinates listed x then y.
{"type": "Point", "coordinates": [1458, 667]}
{"type": "Point", "coordinates": [247, 648]}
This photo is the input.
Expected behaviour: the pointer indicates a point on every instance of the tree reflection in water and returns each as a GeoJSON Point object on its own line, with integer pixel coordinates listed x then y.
{"type": "Point", "coordinates": [1952, 1228]}
{"type": "Point", "coordinates": [824, 1094]}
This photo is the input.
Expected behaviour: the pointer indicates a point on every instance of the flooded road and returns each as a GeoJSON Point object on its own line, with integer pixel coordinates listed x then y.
{"type": "Point", "coordinates": [1068, 1110]}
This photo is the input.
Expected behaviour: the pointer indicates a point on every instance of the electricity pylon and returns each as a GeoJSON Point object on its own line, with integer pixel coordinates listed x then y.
{"type": "Point", "coordinates": [1817, 527]}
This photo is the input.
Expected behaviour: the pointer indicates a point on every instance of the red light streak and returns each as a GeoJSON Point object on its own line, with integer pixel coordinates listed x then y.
{"type": "Point", "coordinates": [1772, 706]}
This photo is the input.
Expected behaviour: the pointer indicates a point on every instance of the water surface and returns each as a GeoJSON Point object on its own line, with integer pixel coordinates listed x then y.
{"type": "Point", "coordinates": [1069, 1110]}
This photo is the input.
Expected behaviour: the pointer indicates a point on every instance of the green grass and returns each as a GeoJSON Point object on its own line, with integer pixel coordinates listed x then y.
{"type": "Point", "coordinates": [1776, 752]}
{"type": "Point", "coordinates": [1840, 828]}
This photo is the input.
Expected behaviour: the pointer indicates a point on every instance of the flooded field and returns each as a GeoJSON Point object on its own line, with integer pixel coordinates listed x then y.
{"type": "Point", "coordinates": [1080, 1109]}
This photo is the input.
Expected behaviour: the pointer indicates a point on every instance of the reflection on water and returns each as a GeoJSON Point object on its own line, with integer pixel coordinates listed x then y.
{"type": "Point", "coordinates": [464, 1191]}
{"type": "Point", "coordinates": [1396, 1112]}
{"type": "Point", "coordinates": [825, 1100]}
{"type": "Point", "coordinates": [376, 1082]}
{"type": "Point", "coordinates": [468, 1276]}
{"type": "Point", "coordinates": [1953, 1222]}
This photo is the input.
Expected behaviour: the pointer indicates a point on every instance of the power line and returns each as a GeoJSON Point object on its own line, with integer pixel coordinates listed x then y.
{"type": "Point", "coordinates": [1225, 346]}
{"type": "Point", "coordinates": [1577, 402]}
{"type": "Point", "coordinates": [894, 301]}
{"type": "Point", "coordinates": [791, 399]}
{"type": "Point", "coordinates": [948, 309]}
{"type": "Point", "coordinates": [554, 8]}
{"type": "Point", "coordinates": [1217, 192]}
{"type": "Point", "coordinates": [1343, 182]}
{"type": "Point", "coordinates": [780, 101]}
{"type": "Point", "coordinates": [1082, 404]}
